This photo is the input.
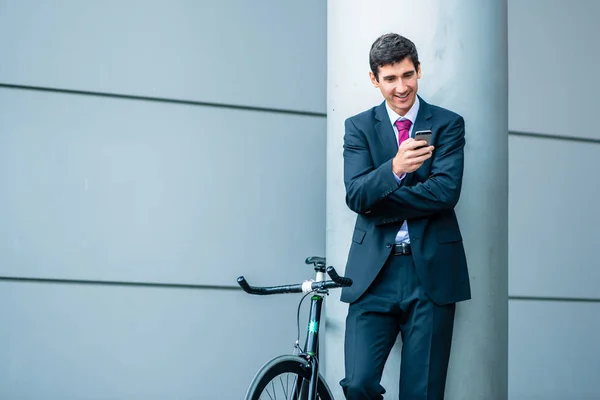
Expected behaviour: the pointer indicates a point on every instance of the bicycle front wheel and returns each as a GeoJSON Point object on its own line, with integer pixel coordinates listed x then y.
{"type": "Point", "coordinates": [285, 378]}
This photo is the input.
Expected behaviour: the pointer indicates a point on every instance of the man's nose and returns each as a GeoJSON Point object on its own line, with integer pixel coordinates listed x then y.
{"type": "Point", "coordinates": [401, 87]}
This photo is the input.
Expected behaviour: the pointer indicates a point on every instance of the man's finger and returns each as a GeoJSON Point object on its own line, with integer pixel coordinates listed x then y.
{"type": "Point", "coordinates": [410, 144]}
{"type": "Point", "coordinates": [419, 145]}
{"type": "Point", "coordinates": [424, 150]}
{"type": "Point", "coordinates": [419, 152]}
{"type": "Point", "coordinates": [413, 144]}
{"type": "Point", "coordinates": [419, 160]}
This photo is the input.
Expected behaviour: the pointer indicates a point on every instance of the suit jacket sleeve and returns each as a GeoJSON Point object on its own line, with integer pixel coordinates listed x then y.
{"type": "Point", "coordinates": [370, 194]}
{"type": "Point", "coordinates": [366, 185]}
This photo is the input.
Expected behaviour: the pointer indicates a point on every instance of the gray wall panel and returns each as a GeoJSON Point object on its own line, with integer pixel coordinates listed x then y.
{"type": "Point", "coordinates": [554, 53]}
{"type": "Point", "coordinates": [110, 189]}
{"type": "Point", "coordinates": [554, 351]}
{"type": "Point", "coordinates": [62, 341]}
{"type": "Point", "coordinates": [259, 53]}
{"type": "Point", "coordinates": [554, 220]}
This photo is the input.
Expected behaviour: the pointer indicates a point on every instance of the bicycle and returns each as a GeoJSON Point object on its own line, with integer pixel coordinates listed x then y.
{"type": "Point", "coordinates": [306, 383]}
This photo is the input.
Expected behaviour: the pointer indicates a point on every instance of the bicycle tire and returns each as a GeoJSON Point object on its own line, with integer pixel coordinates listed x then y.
{"type": "Point", "coordinates": [288, 364]}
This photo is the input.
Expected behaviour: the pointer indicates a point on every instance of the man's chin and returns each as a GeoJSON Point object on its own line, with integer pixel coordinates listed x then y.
{"type": "Point", "coordinates": [405, 104]}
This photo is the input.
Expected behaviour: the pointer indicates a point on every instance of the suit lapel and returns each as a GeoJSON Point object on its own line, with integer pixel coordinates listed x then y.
{"type": "Point", "coordinates": [422, 123]}
{"type": "Point", "coordinates": [385, 132]}
{"type": "Point", "coordinates": [387, 137]}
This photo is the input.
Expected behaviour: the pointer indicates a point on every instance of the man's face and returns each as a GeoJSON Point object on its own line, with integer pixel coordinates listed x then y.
{"type": "Point", "coordinates": [398, 84]}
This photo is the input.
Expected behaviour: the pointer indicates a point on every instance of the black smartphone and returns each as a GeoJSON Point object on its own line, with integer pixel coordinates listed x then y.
{"type": "Point", "coordinates": [424, 135]}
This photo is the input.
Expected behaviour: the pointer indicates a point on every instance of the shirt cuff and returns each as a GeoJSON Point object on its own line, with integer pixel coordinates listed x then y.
{"type": "Point", "coordinates": [399, 178]}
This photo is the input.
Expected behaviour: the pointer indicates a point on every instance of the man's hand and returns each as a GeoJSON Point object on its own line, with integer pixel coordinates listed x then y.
{"type": "Point", "coordinates": [410, 157]}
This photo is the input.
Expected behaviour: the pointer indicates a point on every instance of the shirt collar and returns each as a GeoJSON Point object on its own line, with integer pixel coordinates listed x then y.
{"type": "Point", "coordinates": [411, 114]}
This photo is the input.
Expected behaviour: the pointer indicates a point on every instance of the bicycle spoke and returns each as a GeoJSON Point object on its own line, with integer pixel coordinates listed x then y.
{"type": "Point", "coordinates": [284, 387]}
{"type": "Point", "coordinates": [289, 393]}
{"type": "Point", "coordinates": [297, 387]}
{"type": "Point", "coordinates": [272, 398]}
{"type": "Point", "coordinates": [272, 385]}
{"type": "Point", "coordinates": [268, 394]}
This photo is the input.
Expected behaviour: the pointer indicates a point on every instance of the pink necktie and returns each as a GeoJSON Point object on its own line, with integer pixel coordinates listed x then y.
{"type": "Point", "coordinates": [403, 126]}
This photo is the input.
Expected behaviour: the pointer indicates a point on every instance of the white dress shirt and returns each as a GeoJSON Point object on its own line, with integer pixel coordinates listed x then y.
{"type": "Point", "coordinates": [402, 235]}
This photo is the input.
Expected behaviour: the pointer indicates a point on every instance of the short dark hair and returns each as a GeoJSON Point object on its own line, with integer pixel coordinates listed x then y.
{"type": "Point", "coordinates": [389, 49]}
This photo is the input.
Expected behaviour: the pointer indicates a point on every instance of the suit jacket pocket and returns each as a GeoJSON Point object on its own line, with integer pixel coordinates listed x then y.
{"type": "Point", "coordinates": [449, 236]}
{"type": "Point", "coordinates": [358, 236]}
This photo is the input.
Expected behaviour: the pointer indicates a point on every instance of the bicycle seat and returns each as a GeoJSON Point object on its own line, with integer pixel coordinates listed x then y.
{"type": "Point", "coordinates": [316, 261]}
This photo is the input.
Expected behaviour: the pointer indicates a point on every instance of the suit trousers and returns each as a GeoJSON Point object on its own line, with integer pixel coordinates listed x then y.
{"type": "Point", "coordinates": [396, 303]}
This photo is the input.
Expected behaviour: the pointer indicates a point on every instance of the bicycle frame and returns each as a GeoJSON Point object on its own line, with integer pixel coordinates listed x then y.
{"type": "Point", "coordinates": [311, 345]}
{"type": "Point", "coordinates": [320, 288]}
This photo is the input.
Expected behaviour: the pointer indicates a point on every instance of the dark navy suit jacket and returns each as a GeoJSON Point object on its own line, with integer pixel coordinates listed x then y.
{"type": "Point", "coordinates": [425, 199]}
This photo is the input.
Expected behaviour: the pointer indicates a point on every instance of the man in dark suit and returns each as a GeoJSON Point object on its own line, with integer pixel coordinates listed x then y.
{"type": "Point", "coordinates": [406, 258]}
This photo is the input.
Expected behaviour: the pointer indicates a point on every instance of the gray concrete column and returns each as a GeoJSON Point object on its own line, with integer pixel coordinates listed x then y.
{"type": "Point", "coordinates": [462, 46]}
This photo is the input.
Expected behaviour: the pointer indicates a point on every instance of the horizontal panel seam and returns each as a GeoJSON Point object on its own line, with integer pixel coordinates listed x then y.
{"type": "Point", "coordinates": [117, 283]}
{"type": "Point", "coordinates": [555, 137]}
{"type": "Point", "coordinates": [164, 100]}
{"type": "Point", "coordinates": [555, 299]}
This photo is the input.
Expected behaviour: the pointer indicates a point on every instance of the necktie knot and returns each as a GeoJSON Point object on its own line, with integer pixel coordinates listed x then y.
{"type": "Point", "coordinates": [403, 126]}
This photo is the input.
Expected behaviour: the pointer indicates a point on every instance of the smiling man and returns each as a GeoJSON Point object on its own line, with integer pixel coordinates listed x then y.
{"type": "Point", "coordinates": [406, 258]}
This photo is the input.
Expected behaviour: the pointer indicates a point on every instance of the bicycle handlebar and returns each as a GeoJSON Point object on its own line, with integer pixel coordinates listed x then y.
{"type": "Point", "coordinates": [341, 280]}
{"type": "Point", "coordinates": [335, 282]}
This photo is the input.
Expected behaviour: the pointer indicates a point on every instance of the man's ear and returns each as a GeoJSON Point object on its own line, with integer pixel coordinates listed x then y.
{"type": "Point", "coordinates": [373, 79]}
{"type": "Point", "coordinates": [419, 71]}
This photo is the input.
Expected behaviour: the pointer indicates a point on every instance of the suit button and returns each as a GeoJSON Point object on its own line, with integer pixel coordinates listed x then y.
{"type": "Point", "coordinates": [388, 245]}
